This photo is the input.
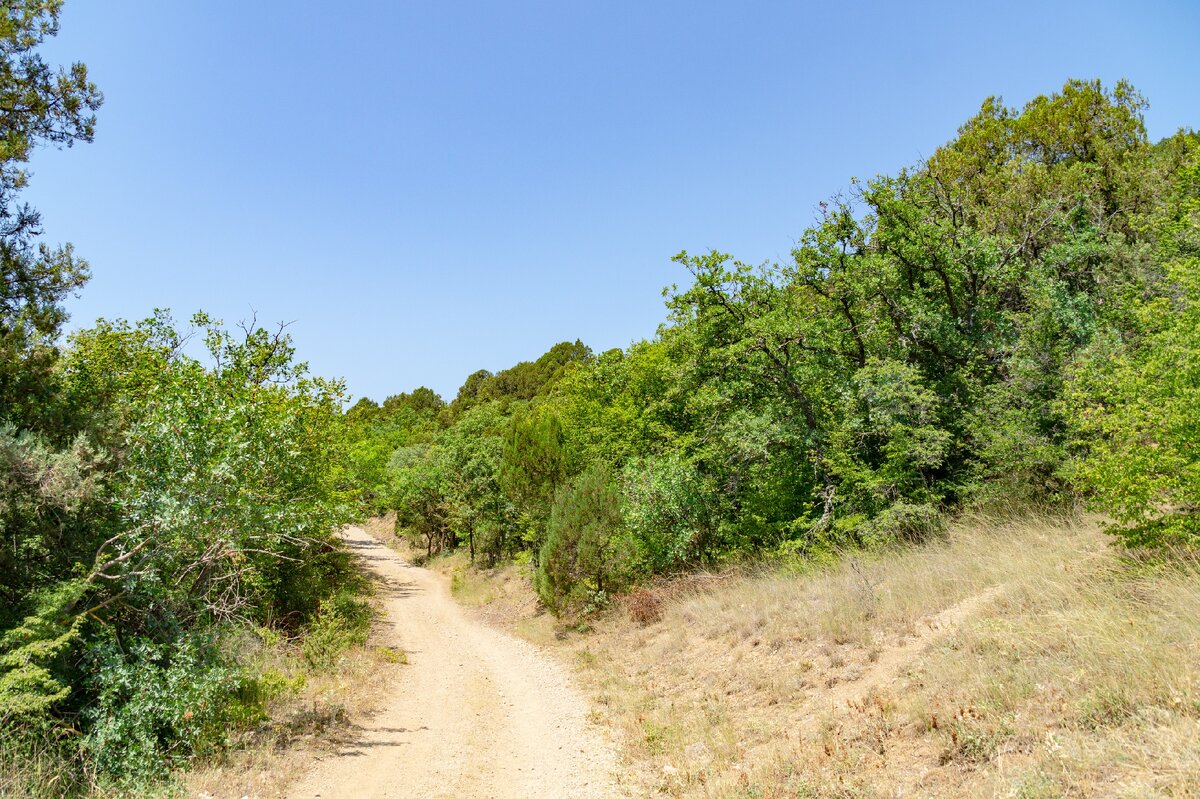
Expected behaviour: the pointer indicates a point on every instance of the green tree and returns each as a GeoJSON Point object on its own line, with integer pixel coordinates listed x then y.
{"type": "Point", "coordinates": [421, 493]}
{"type": "Point", "coordinates": [226, 502]}
{"type": "Point", "coordinates": [483, 516]}
{"type": "Point", "coordinates": [524, 381]}
{"type": "Point", "coordinates": [229, 473]}
{"type": "Point", "coordinates": [924, 324]}
{"type": "Point", "coordinates": [586, 555]}
{"type": "Point", "coordinates": [422, 401]}
{"type": "Point", "coordinates": [621, 405]}
{"type": "Point", "coordinates": [1135, 401]}
{"type": "Point", "coordinates": [376, 432]}
{"type": "Point", "coordinates": [39, 105]}
{"type": "Point", "coordinates": [533, 468]}
{"type": "Point", "coordinates": [51, 489]}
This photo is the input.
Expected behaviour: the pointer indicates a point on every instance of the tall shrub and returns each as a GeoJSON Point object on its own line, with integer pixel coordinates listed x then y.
{"type": "Point", "coordinates": [587, 553]}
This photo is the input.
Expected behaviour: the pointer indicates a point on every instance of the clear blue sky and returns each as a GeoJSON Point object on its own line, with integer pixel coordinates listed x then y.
{"type": "Point", "coordinates": [430, 188]}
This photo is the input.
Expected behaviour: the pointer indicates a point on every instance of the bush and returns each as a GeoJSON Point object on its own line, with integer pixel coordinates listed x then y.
{"type": "Point", "coordinates": [344, 621]}
{"type": "Point", "coordinates": [587, 552]}
{"type": "Point", "coordinates": [644, 606]}
{"type": "Point", "coordinates": [159, 704]}
{"type": "Point", "coordinates": [203, 496]}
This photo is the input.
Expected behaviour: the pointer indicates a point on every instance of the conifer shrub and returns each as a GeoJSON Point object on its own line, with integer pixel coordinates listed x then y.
{"type": "Point", "coordinates": [587, 554]}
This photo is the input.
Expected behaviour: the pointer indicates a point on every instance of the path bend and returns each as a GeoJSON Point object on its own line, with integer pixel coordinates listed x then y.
{"type": "Point", "coordinates": [477, 714]}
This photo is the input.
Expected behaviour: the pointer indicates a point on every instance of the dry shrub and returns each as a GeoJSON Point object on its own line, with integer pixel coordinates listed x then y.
{"type": "Point", "coordinates": [643, 606]}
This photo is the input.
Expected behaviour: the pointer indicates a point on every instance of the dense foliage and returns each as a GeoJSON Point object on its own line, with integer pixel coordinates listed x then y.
{"type": "Point", "coordinates": [198, 502]}
{"type": "Point", "coordinates": [156, 507]}
{"type": "Point", "coordinates": [1136, 397]}
{"type": "Point", "coordinates": [1012, 318]}
{"type": "Point", "coordinates": [1017, 316]}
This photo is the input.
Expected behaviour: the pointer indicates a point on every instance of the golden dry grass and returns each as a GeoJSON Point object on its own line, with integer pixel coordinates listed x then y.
{"type": "Point", "coordinates": [1020, 659]}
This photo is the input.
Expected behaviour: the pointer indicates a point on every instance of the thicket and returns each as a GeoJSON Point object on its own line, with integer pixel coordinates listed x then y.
{"type": "Point", "coordinates": [165, 492]}
{"type": "Point", "coordinates": [1013, 318]}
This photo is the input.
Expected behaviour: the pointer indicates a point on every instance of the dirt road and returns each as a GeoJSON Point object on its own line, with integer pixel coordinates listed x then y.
{"type": "Point", "coordinates": [476, 714]}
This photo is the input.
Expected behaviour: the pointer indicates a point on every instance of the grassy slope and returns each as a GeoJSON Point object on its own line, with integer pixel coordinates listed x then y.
{"type": "Point", "coordinates": [1026, 659]}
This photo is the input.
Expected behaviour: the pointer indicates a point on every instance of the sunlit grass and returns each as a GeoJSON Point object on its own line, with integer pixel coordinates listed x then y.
{"type": "Point", "coordinates": [1024, 658]}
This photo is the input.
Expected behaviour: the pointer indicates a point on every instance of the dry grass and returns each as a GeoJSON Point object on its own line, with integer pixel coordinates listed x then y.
{"type": "Point", "coordinates": [1023, 659]}
{"type": "Point", "coordinates": [309, 714]}
{"type": "Point", "coordinates": [315, 717]}
{"type": "Point", "coordinates": [501, 596]}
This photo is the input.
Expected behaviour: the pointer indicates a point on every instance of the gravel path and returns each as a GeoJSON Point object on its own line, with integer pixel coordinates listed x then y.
{"type": "Point", "coordinates": [477, 714]}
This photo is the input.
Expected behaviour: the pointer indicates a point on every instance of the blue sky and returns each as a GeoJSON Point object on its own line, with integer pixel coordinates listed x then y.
{"type": "Point", "coordinates": [429, 188]}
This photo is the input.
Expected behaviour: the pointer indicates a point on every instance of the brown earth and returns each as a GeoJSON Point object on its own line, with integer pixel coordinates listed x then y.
{"type": "Point", "coordinates": [476, 713]}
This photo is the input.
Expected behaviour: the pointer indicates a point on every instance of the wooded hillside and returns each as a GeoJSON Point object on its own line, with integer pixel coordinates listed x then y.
{"type": "Point", "coordinates": [1010, 320]}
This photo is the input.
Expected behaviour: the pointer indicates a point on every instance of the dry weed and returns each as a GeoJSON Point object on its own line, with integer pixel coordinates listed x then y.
{"type": "Point", "coordinates": [1026, 658]}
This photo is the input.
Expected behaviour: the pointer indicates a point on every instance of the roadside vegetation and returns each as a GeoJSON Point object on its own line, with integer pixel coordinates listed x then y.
{"type": "Point", "coordinates": [1026, 658]}
{"type": "Point", "coordinates": [169, 498]}
{"type": "Point", "coordinates": [914, 512]}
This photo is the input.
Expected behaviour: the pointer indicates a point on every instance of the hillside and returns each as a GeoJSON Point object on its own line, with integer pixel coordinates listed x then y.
{"type": "Point", "coordinates": [1010, 320]}
{"type": "Point", "coordinates": [1027, 659]}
